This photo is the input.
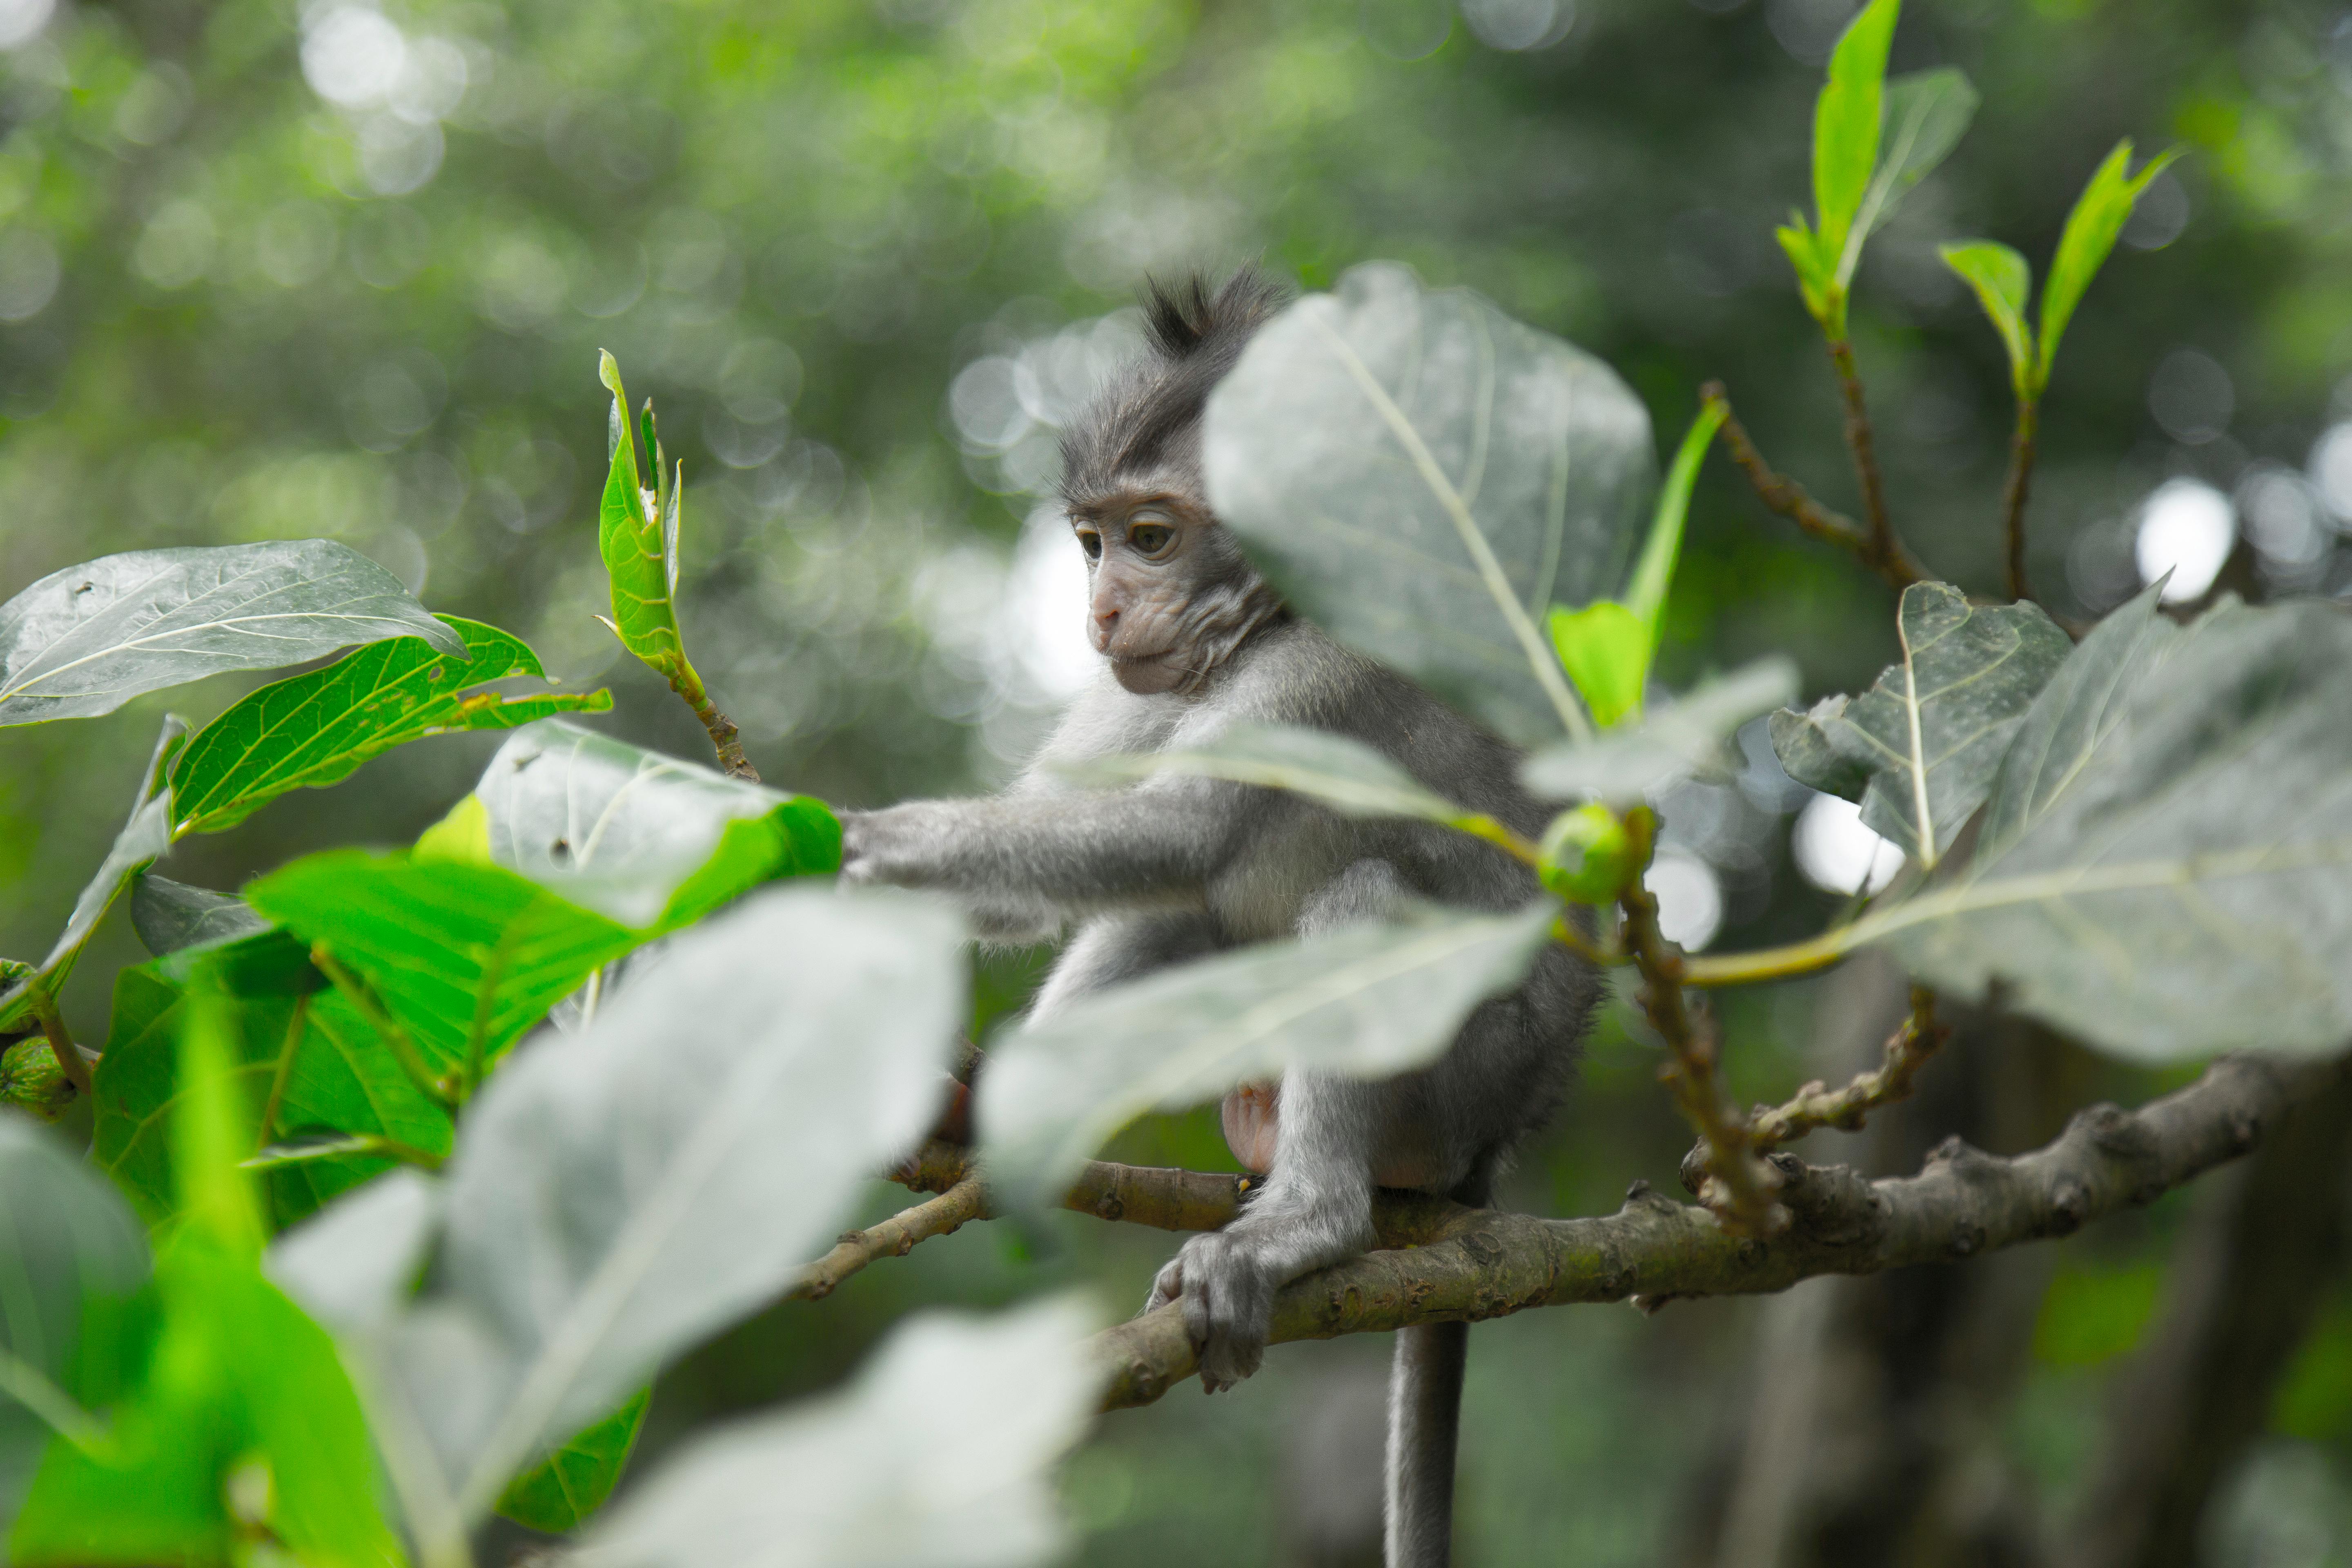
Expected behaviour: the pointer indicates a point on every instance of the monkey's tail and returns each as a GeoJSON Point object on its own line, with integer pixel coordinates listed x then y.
{"type": "Point", "coordinates": [1424, 1418]}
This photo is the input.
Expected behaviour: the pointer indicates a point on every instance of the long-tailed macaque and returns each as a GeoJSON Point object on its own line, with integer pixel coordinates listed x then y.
{"type": "Point", "coordinates": [1195, 640]}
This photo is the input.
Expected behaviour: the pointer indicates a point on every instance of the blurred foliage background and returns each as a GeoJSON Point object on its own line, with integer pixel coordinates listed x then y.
{"type": "Point", "coordinates": [341, 269]}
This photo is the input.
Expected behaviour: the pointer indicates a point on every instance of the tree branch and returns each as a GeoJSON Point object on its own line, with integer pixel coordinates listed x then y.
{"type": "Point", "coordinates": [894, 1237]}
{"type": "Point", "coordinates": [1475, 1263]}
{"type": "Point", "coordinates": [1864, 445]}
{"type": "Point", "coordinates": [1816, 1106]}
{"type": "Point", "coordinates": [1785, 496]}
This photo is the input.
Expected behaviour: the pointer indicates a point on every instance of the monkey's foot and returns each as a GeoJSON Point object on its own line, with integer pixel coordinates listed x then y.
{"type": "Point", "coordinates": [1227, 1292]}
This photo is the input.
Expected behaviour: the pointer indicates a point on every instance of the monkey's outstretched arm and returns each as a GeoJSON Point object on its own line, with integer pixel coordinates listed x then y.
{"type": "Point", "coordinates": [1039, 855]}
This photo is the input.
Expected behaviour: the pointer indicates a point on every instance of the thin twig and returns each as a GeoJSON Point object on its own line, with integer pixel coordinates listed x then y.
{"type": "Point", "coordinates": [2013, 492]}
{"type": "Point", "coordinates": [894, 1237]}
{"type": "Point", "coordinates": [1790, 499]}
{"type": "Point", "coordinates": [1864, 445]}
{"type": "Point", "coordinates": [60, 1038]}
{"type": "Point", "coordinates": [1162, 1197]}
{"type": "Point", "coordinates": [1739, 1185]}
{"type": "Point", "coordinates": [1816, 1105]}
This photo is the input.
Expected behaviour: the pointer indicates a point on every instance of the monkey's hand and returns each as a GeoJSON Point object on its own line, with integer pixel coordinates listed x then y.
{"type": "Point", "coordinates": [944, 846]}
{"type": "Point", "coordinates": [1226, 1281]}
{"type": "Point", "coordinates": [899, 848]}
{"type": "Point", "coordinates": [1227, 1289]}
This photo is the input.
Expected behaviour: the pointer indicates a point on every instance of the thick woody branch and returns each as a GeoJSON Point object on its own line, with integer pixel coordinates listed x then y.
{"type": "Point", "coordinates": [1478, 1264]}
{"type": "Point", "coordinates": [1790, 499]}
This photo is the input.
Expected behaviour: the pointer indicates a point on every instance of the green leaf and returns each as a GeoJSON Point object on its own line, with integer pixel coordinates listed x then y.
{"type": "Point", "coordinates": [1605, 648]}
{"type": "Point", "coordinates": [2002, 280]}
{"type": "Point", "coordinates": [1927, 114]}
{"type": "Point", "coordinates": [169, 916]}
{"type": "Point", "coordinates": [1934, 728]}
{"type": "Point", "coordinates": [2090, 231]}
{"type": "Point", "coordinates": [465, 957]}
{"type": "Point", "coordinates": [575, 1479]}
{"type": "Point", "coordinates": [1627, 765]}
{"type": "Point", "coordinates": [1421, 476]}
{"type": "Point", "coordinates": [1655, 571]}
{"type": "Point", "coordinates": [144, 838]}
{"type": "Point", "coordinates": [239, 1376]}
{"type": "Point", "coordinates": [1346, 775]}
{"type": "Point", "coordinates": [701, 1139]}
{"type": "Point", "coordinates": [1847, 124]}
{"type": "Point", "coordinates": [316, 728]}
{"type": "Point", "coordinates": [2165, 868]}
{"type": "Point", "coordinates": [648, 841]}
{"type": "Point", "coordinates": [85, 640]}
{"type": "Point", "coordinates": [1814, 272]}
{"type": "Point", "coordinates": [638, 537]}
{"type": "Point", "coordinates": [994, 1403]}
{"type": "Point", "coordinates": [1369, 1001]}
{"type": "Point", "coordinates": [338, 1075]}
{"type": "Point", "coordinates": [242, 1378]}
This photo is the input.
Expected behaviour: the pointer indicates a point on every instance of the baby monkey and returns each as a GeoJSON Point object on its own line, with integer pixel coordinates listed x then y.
{"type": "Point", "coordinates": [1195, 641]}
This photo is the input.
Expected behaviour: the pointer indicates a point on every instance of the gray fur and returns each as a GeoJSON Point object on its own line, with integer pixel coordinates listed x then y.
{"type": "Point", "coordinates": [1173, 867]}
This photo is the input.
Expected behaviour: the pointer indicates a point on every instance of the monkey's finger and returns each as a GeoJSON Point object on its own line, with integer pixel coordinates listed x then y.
{"type": "Point", "coordinates": [1166, 1286]}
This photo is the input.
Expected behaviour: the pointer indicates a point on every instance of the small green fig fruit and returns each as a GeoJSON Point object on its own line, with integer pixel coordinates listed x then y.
{"type": "Point", "coordinates": [1585, 855]}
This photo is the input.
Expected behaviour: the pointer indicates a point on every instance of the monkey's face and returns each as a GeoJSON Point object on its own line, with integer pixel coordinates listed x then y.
{"type": "Point", "coordinates": [1166, 582]}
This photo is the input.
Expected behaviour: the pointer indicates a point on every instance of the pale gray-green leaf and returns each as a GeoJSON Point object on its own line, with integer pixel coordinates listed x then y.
{"type": "Point", "coordinates": [1424, 478]}
{"type": "Point", "coordinates": [1345, 774]}
{"type": "Point", "coordinates": [65, 1236]}
{"type": "Point", "coordinates": [618, 1194]}
{"type": "Point", "coordinates": [169, 916]}
{"type": "Point", "coordinates": [142, 840]}
{"type": "Point", "coordinates": [1369, 1001]}
{"type": "Point", "coordinates": [1802, 741]}
{"type": "Point", "coordinates": [940, 1452]}
{"type": "Point", "coordinates": [353, 1264]}
{"type": "Point", "coordinates": [1626, 766]}
{"type": "Point", "coordinates": [85, 641]}
{"type": "Point", "coordinates": [1934, 728]}
{"type": "Point", "coordinates": [2166, 864]}
{"type": "Point", "coordinates": [609, 825]}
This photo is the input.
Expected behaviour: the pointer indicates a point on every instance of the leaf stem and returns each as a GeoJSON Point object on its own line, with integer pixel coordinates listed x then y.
{"type": "Point", "coordinates": [23, 1383]}
{"type": "Point", "coordinates": [2013, 493]}
{"type": "Point", "coordinates": [1807, 957]}
{"type": "Point", "coordinates": [722, 732]}
{"type": "Point", "coordinates": [285, 1072]}
{"type": "Point", "coordinates": [396, 1039]}
{"type": "Point", "coordinates": [60, 1038]}
{"type": "Point", "coordinates": [1786, 497]}
{"type": "Point", "coordinates": [1478, 825]}
{"type": "Point", "coordinates": [1739, 1188]}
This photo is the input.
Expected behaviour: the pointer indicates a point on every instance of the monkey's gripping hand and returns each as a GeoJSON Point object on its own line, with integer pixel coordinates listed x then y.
{"type": "Point", "coordinates": [1227, 1279]}
{"type": "Point", "coordinates": [950, 846]}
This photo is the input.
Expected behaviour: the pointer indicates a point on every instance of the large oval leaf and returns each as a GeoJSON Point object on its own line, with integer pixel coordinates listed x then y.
{"type": "Point", "coordinates": [85, 640]}
{"type": "Point", "coordinates": [1371, 1001]}
{"type": "Point", "coordinates": [1424, 476]}
{"type": "Point", "coordinates": [648, 839]}
{"type": "Point", "coordinates": [992, 1404]}
{"type": "Point", "coordinates": [316, 728]}
{"type": "Point", "coordinates": [2165, 864]}
{"type": "Point", "coordinates": [617, 1193]}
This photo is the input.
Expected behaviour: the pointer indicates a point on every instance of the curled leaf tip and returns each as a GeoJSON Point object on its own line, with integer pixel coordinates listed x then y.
{"type": "Point", "coordinates": [608, 371]}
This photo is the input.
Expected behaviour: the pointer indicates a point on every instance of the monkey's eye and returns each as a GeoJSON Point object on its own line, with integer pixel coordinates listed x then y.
{"type": "Point", "coordinates": [1091, 542]}
{"type": "Point", "coordinates": [1150, 538]}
